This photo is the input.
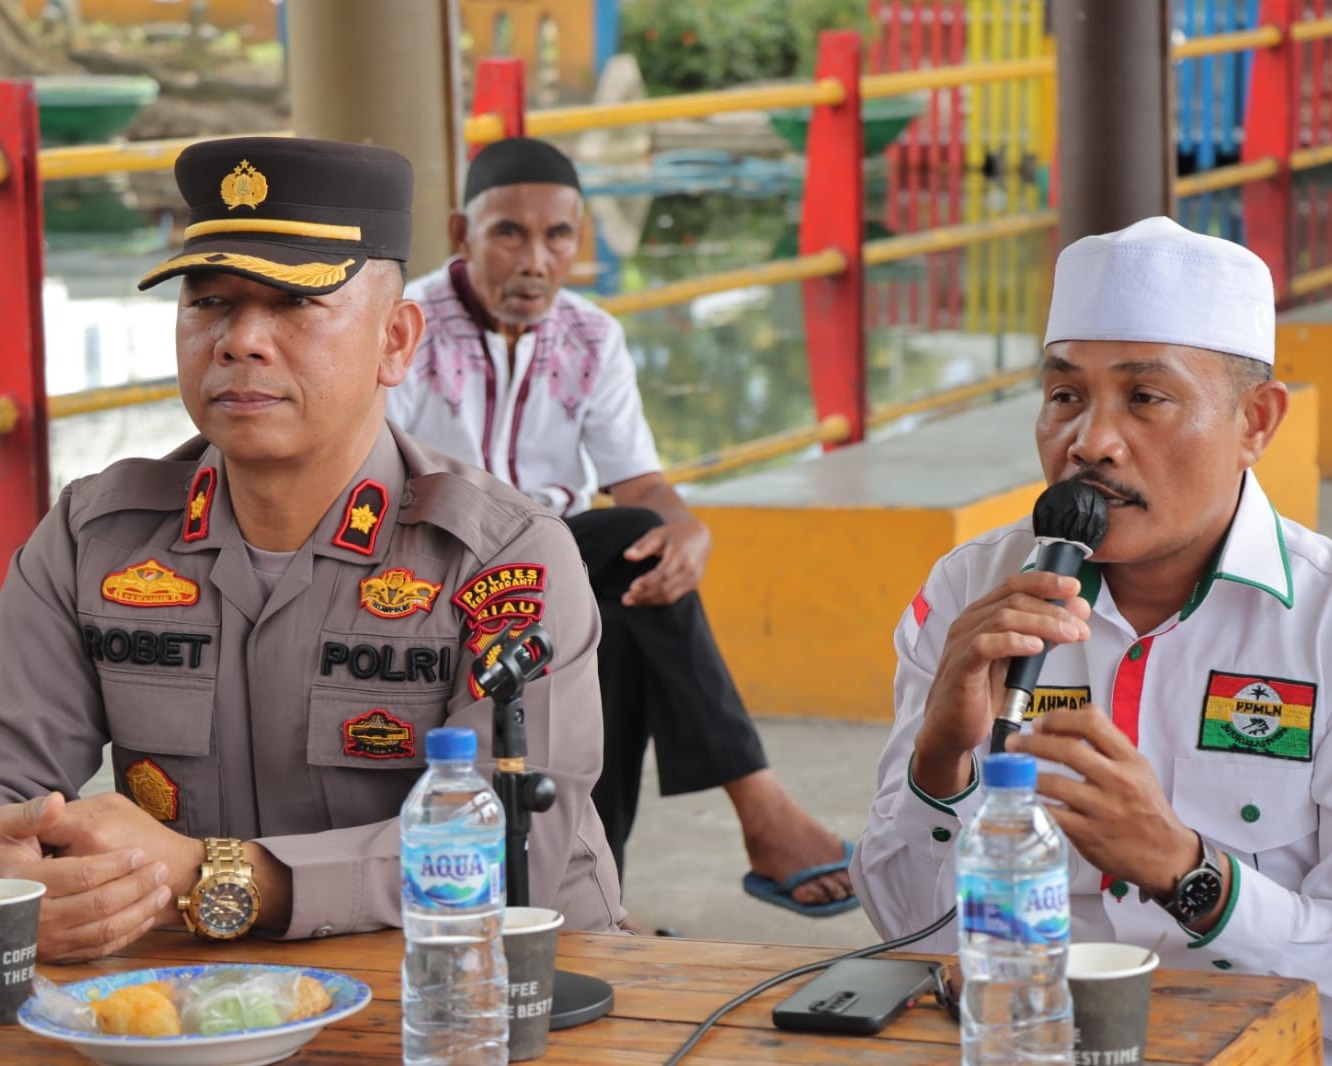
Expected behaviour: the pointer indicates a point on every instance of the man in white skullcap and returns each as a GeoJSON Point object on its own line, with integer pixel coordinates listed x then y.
{"type": "Point", "coordinates": [1177, 714]}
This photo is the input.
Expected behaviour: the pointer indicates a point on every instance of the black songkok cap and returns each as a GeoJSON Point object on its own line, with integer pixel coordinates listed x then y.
{"type": "Point", "coordinates": [301, 215]}
{"type": "Point", "coordinates": [518, 161]}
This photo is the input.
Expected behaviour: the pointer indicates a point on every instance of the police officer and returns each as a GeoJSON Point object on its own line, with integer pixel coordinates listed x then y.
{"type": "Point", "coordinates": [1177, 716]}
{"type": "Point", "coordinates": [265, 623]}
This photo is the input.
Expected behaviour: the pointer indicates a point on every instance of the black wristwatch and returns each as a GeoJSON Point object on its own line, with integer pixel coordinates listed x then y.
{"type": "Point", "coordinates": [1197, 891]}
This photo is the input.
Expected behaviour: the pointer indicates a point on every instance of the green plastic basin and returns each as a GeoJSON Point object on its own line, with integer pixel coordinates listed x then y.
{"type": "Point", "coordinates": [884, 119]}
{"type": "Point", "coordinates": [89, 108]}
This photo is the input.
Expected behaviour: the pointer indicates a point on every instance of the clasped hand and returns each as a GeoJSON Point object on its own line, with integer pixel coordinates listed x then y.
{"type": "Point", "coordinates": [111, 870]}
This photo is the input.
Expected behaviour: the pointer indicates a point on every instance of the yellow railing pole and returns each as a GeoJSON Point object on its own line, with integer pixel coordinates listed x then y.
{"type": "Point", "coordinates": [832, 430]}
{"type": "Point", "coordinates": [9, 414]}
{"type": "Point", "coordinates": [1227, 177]}
{"type": "Point", "coordinates": [1311, 30]}
{"type": "Point", "coordinates": [1221, 43]}
{"type": "Point", "coordinates": [890, 412]}
{"type": "Point", "coordinates": [819, 265]}
{"type": "Point", "coordinates": [910, 81]}
{"type": "Point", "coordinates": [554, 121]}
{"type": "Point", "coordinates": [1310, 281]}
{"type": "Point", "coordinates": [84, 403]}
{"type": "Point", "coordinates": [89, 160]}
{"type": "Point", "coordinates": [946, 238]}
{"type": "Point", "coordinates": [1308, 158]}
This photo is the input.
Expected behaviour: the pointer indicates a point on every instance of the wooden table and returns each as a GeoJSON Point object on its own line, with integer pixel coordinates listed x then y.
{"type": "Point", "coordinates": [663, 987]}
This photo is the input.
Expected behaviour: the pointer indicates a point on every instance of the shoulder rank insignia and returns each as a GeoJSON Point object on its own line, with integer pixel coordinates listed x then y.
{"type": "Point", "coordinates": [1269, 716]}
{"type": "Point", "coordinates": [244, 187]}
{"type": "Point", "coordinates": [492, 599]}
{"type": "Point", "coordinates": [360, 524]}
{"type": "Point", "coordinates": [201, 503]}
{"type": "Point", "coordinates": [153, 790]}
{"type": "Point", "coordinates": [378, 735]}
{"type": "Point", "coordinates": [397, 593]}
{"type": "Point", "coordinates": [149, 584]}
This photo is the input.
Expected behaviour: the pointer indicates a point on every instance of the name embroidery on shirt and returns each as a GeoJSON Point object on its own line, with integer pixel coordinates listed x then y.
{"type": "Point", "coordinates": [149, 584]}
{"type": "Point", "coordinates": [153, 790]}
{"type": "Point", "coordinates": [1045, 700]}
{"type": "Point", "coordinates": [1270, 716]}
{"type": "Point", "coordinates": [397, 592]}
{"type": "Point", "coordinates": [378, 735]}
{"type": "Point", "coordinates": [493, 598]}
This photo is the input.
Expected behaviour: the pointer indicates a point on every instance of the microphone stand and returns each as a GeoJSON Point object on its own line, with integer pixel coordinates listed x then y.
{"type": "Point", "coordinates": [521, 656]}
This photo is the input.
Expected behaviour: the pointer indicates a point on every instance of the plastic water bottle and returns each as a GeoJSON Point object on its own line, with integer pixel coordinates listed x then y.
{"type": "Point", "coordinates": [455, 981]}
{"type": "Point", "coordinates": [1012, 899]}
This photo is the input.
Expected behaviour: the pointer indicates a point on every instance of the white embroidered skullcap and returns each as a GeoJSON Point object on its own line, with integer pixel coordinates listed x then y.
{"type": "Point", "coordinates": [1157, 281]}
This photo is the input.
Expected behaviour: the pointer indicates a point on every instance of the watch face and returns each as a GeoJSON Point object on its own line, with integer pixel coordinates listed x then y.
{"type": "Point", "coordinates": [227, 906]}
{"type": "Point", "coordinates": [1198, 894]}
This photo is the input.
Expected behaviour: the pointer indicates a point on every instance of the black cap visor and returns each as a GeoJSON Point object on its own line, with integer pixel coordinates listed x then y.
{"type": "Point", "coordinates": [295, 268]}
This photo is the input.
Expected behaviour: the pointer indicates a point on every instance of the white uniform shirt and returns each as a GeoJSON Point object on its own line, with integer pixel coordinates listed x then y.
{"type": "Point", "coordinates": [1225, 700]}
{"type": "Point", "coordinates": [568, 421]}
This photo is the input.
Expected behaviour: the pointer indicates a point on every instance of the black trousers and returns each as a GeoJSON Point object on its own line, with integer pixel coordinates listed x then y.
{"type": "Point", "coordinates": [662, 676]}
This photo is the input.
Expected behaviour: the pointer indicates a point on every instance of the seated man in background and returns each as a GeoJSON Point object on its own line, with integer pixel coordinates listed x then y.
{"type": "Point", "coordinates": [1201, 624]}
{"type": "Point", "coordinates": [266, 623]}
{"type": "Point", "coordinates": [536, 385]}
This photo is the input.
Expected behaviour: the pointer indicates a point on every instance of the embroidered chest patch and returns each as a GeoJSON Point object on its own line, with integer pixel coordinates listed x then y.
{"type": "Point", "coordinates": [397, 593]}
{"type": "Point", "coordinates": [1269, 716]}
{"type": "Point", "coordinates": [378, 735]}
{"type": "Point", "coordinates": [1045, 700]}
{"type": "Point", "coordinates": [149, 584]}
{"type": "Point", "coordinates": [153, 790]}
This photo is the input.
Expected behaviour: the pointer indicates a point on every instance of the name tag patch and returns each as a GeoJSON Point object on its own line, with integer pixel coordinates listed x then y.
{"type": "Point", "coordinates": [1269, 716]}
{"type": "Point", "coordinates": [1047, 699]}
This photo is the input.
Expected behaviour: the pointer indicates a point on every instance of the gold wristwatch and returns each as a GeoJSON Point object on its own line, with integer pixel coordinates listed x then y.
{"type": "Point", "coordinates": [225, 902]}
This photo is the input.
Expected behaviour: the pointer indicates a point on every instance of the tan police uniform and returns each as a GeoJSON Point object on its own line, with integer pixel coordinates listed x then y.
{"type": "Point", "coordinates": [134, 615]}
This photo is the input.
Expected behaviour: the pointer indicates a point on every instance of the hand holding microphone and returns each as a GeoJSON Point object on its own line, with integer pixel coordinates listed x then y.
{"type": "Point", "coordinates": [1070, 521]}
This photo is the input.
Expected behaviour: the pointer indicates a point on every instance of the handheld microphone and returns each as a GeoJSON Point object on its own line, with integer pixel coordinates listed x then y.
{"type": "Point", "coordinates": [1070, 520]}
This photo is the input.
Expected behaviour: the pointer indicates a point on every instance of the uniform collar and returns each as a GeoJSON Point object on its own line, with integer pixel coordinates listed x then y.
{"type": "Point", "coordinates": [353, 528]}
{"type": "Point", "coordinates": [1253, 553]}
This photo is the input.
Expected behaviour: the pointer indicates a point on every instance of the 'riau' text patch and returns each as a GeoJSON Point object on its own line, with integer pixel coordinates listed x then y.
{"type": "Point", "coordinates": [1045, 700]}
{"type": "Point", "coordinates": [1269, 716]}
{"type": "Point", "coordinates": [493, 599]}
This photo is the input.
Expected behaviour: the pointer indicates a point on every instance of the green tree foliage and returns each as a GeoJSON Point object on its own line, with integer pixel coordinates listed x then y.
{"type": "Point", "coordinates": [713, 44]}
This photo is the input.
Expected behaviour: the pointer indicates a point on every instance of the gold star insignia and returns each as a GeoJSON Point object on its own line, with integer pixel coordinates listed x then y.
{"type": "Point", "coordinates": [197, 506]}
{"type": "Point", "coordinates": [363, 519]}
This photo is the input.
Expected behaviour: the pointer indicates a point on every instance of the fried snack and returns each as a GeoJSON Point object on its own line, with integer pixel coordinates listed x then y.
{"type": "Point", "coordinates": [311, 998]}
{"type": "Point", "coordinates": [138, 1010]}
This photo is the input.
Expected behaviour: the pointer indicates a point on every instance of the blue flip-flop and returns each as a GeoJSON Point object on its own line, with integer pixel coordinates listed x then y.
{"type": "Point", "coordinates": [779, 892]}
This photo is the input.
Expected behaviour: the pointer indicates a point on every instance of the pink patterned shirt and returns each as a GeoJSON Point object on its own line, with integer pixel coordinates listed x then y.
{"type": "Point", "coordinates": [568, 421]}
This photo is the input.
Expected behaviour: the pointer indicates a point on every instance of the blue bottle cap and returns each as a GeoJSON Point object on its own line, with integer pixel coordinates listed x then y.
{"type": "Point", "coordinates": [451, 743]}
{"type": "Point", "coordinates": [1009, 770]}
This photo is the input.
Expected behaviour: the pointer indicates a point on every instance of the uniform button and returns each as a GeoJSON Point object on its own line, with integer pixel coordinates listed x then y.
{"type": "Point", "coordinates": [324, 930]}
{"type": "Point", "coordinates": [1135, 653]}
{"type": "Point", "coordinates": [1222, 964]}
{"type": "Point", "coordinates": [1119, 889]}
{"type": "Point", "coordinates": [1250, 813]}
{"type": "Point", "coordinates": [941, 834]}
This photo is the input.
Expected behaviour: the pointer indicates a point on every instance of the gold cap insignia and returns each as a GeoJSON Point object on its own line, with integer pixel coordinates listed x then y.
{"type": "Point", "coordinates": [149, 584]}
{"type": "Point", "coordinates": [153, 790]}
{"type": "Point", "coordinates": [244, 187]}
{"type": "Point", "coordinates": [397, 593]}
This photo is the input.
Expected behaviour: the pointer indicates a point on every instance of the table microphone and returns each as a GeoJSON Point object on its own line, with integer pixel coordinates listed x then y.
{"type": "Point", "coordinates": [1070, 519]}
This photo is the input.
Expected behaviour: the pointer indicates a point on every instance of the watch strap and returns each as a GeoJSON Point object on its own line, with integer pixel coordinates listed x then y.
{"type": "Point", "coordinates": [1171, 903]}
{"type": "Point", "coordinates": [222, 856]}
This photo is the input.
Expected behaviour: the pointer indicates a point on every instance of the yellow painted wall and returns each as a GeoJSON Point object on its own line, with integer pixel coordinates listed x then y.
{"type": "Point", "coordinates": [804, 601]}
{"type": "Point", "coordinates": [575, 20]}
{"type": "Point", "coordinates": [1304, 353]}
{"type": "Point", "coordinates": [255, 19]}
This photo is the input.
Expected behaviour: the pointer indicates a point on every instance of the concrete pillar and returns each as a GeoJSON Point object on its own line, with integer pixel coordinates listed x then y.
{"type": "Point", "coordinates": [1116, 150]}
{"type": "Point", "coordinates": [383, 73]}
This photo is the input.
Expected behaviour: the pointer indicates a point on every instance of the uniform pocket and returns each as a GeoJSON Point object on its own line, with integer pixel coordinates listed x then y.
{"type": "Point", "coordinates": [1251, 804]}
{"type": "Point", "coordinates": [152, 714]}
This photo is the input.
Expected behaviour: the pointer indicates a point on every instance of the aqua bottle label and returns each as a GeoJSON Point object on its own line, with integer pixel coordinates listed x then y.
{"type": "Point", "coordinates": [468, 876]}
{"type": "Point", "coordinates": [1029, 910]}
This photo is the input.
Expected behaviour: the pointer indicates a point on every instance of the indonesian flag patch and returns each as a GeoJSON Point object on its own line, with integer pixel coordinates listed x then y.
{"type": "Point", "coordinates": [1269, 716]}
{"type": "Point", "coordinates": [915, 616]}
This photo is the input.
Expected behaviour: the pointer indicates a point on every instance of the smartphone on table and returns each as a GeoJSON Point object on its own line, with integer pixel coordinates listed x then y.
{"type": "Point", "coordinates": [856, 995]}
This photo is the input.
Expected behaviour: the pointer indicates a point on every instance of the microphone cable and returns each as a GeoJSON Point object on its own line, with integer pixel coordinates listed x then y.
{"type": "Point", "coordinates": [810, 967]}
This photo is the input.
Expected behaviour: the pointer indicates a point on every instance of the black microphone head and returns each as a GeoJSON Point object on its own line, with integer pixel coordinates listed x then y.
{"type": "Point", "coordinates": [1071, 510]}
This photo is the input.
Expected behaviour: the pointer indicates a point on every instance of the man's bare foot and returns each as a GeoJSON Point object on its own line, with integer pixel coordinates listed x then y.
{"type": "Point", "coordinates": [782, 838]}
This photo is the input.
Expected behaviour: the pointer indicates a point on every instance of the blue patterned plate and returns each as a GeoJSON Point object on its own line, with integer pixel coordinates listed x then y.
{"type": "Point", "coordinates": [249, 1047]}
